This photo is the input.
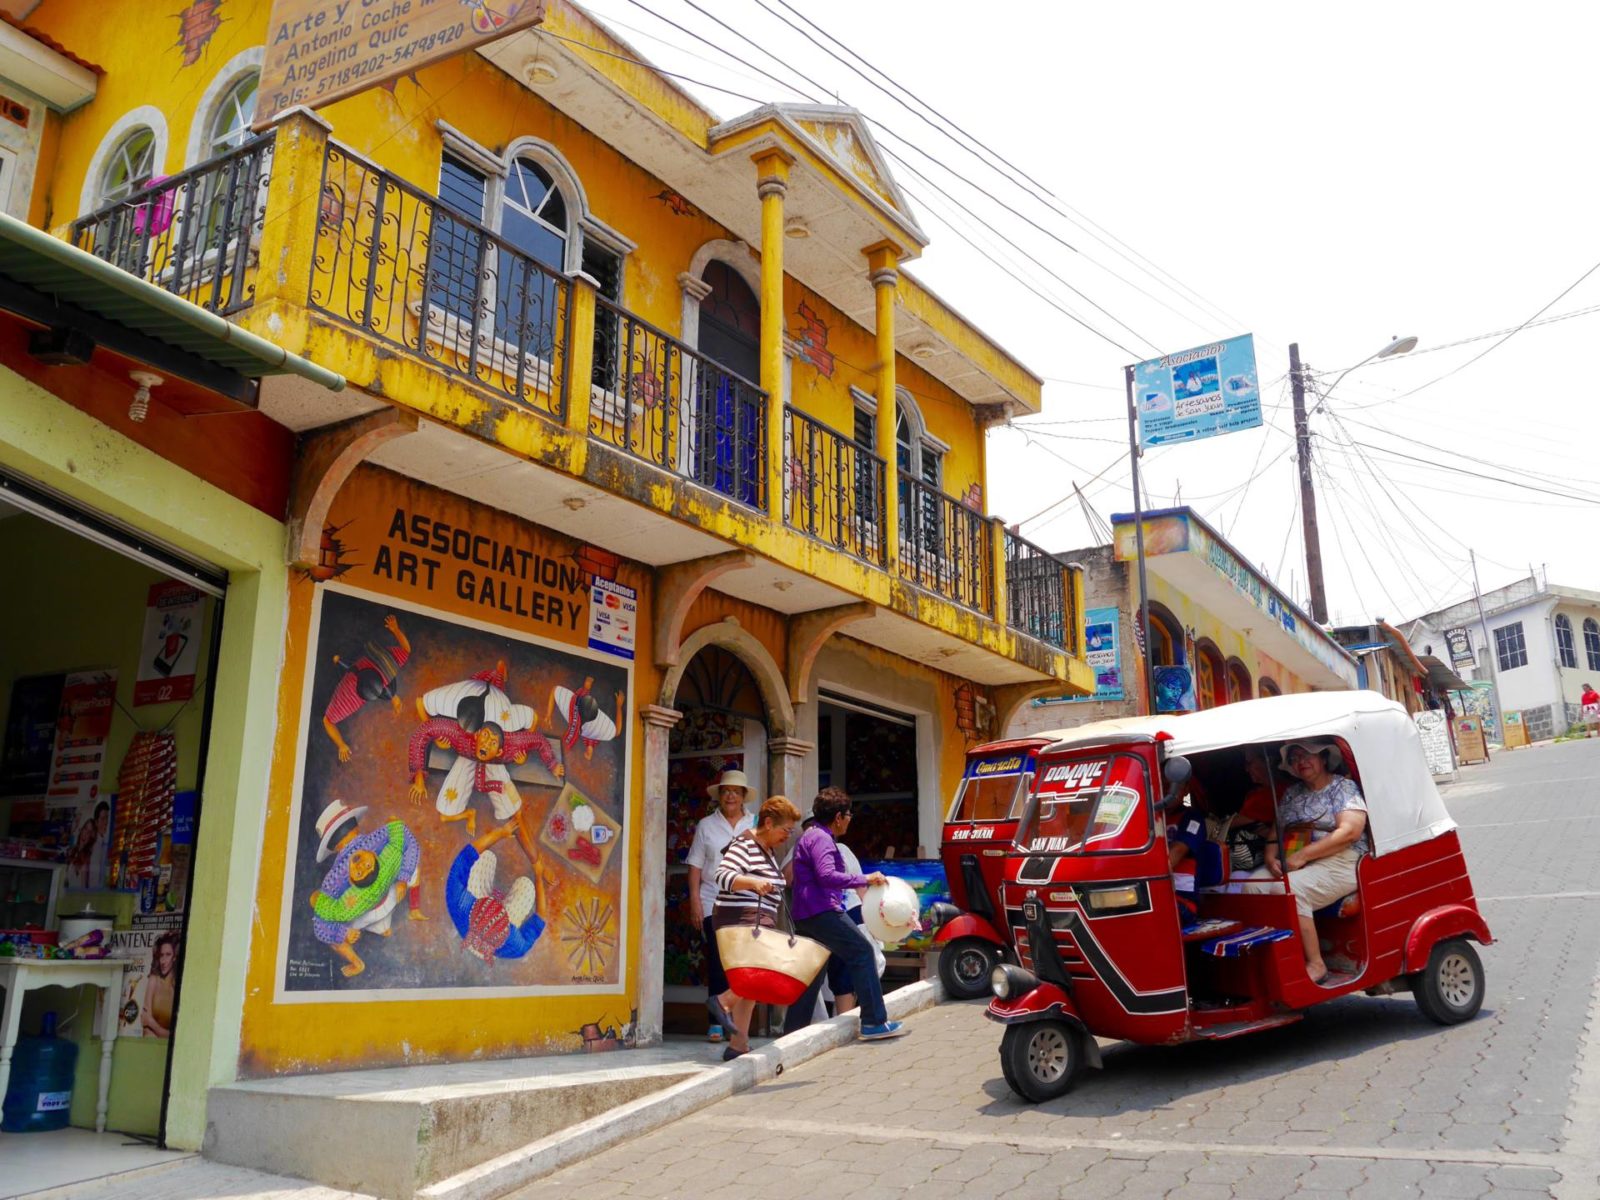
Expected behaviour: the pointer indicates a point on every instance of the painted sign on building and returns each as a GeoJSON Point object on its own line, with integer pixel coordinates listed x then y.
{"type": "Point", "coordinates": [1103, 652]}
{"type": "Point", "coordinates": [459, 818]}
{"type": "Point", "coordinates": [320, 50]}
{"type": "Point", "coordinates": [1460, 642]}
{"type": "Point", "coordinates": [1198, 393]}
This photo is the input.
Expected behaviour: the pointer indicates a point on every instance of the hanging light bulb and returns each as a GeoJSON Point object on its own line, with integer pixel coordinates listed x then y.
{"type": "Point", "coordinates": [139, 408]}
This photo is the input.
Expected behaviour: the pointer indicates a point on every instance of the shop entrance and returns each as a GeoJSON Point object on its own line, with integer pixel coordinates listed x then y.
{"type": "Point", "coordinates": [871, 752]}
{"type": "Point", "coordinates": [106, 685]}
{"type": "Point", "coordinates": [723, 729]}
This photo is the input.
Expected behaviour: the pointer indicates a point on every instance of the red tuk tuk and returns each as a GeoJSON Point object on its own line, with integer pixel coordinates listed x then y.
{"type": "Point", "coordinates": [1090, 898]}
{"type": "Point", "coordinates": [979, 831]}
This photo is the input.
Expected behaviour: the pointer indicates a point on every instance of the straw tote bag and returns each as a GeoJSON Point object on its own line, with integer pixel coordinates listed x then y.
{"type": "Point", "coordinates": [768, 965]}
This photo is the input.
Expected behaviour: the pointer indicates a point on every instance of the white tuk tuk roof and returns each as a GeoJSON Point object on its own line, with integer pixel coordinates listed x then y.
{"type": "Point", "coordinates": [1403, 804]}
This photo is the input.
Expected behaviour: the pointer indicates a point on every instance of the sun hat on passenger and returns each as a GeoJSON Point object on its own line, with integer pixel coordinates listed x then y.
{"type": "Point", "coordinates": [1334, 759]}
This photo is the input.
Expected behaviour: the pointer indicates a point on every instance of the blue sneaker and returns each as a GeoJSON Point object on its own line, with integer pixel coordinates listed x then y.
{"type": "Point", "coordinates": [714, 1034]}
{"type": "Point", "coordinates": [882, 1033]}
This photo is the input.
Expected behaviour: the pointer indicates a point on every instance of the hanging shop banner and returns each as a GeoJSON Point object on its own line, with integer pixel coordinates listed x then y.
{"type": "Point", "coordinates": [1460, 642]}
{"type": "Point", "coordinates": [320, 50]}
{"type": "Point", "coordinates": [1102, 641]}
{"type": "Point", "coordinates": [170, 647]}
{"type": "Point", "coordinates": [1198, 393]}
{"type": "Point", "coordinates": [30, 738]}
{"type": "Point", "coordinates": [613, 618]}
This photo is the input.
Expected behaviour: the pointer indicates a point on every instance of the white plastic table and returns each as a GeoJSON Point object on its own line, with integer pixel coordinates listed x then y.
{"type": "Point", "coordinates": [20, 976]}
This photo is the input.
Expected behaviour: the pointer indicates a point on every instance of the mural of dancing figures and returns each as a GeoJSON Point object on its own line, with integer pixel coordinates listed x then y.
{"type": "Point", "coordinates": [457, 805]}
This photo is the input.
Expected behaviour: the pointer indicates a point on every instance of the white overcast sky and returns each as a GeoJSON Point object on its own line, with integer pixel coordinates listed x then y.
{"type": "Point", "coordinates": [1329, 174]}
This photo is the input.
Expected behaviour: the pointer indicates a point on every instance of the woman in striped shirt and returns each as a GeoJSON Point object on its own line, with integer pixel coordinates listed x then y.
{"type": "Point", "coordinates": [749, 890]}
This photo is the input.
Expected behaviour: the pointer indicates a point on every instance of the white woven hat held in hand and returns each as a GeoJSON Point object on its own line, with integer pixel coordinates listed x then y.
{"type": "Point", "coordinates": [889, 911]}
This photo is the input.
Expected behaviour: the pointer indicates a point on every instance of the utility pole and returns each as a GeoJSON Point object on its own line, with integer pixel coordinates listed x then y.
{"type": "Point", "coordinates": [1308, 498]}
{"type": "Point", "coordinates": [1138, 541]}
{"type": "Point", "coordinates": [1488, 647]}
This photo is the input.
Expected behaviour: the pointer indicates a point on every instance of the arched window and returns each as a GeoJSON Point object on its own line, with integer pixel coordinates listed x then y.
{"type": "Point", "coordinates": [1166, 639]}
{"type": "Point", "coordinates": [230, 120]}
{"type": "Point", "coordinates": [533, 216]}
{"type": "Point", "coordinates": [128, 167]}
{"type": "Point", "coordinates": [1564, 644]}
{"type": "Point", "coordinates": [1591, 643]}
{"type": "Point", "coordinates": [1210, 676]}
{"type": "Point", "coordinates": [1238, 681]}
{"type": "Point", "coordinates": [1269, 687]}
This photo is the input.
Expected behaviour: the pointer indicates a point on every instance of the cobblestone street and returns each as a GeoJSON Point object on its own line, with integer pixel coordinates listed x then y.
{"type": "Point", "coordinates": [1365, 1098]}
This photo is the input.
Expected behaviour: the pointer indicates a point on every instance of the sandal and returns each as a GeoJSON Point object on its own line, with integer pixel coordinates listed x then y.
{"type": "Point", "coordinates": [720, 1015]}
{"type": "Point", "coordinates": [730, 1054]}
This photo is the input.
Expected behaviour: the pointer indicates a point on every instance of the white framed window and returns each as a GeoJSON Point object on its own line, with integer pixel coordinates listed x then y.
{"type": "Point", "coordinates": [1564, 643]}
{"type": "Point", "coordinates": [128, 167]}
{"type": "Point", "coordinates": [132, 151]}
{"type": "Point", "coordinates": [1511, 649]}
{"type": "Point", "coordinates": [230, 121]}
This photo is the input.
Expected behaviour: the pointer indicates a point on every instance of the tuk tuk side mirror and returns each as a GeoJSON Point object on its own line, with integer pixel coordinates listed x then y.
{"type": "Point", "coordinates": [1177, 772]}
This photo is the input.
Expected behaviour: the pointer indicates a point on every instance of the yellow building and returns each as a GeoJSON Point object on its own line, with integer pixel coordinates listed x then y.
{"type": "Point", "coordinates": [650, 454]}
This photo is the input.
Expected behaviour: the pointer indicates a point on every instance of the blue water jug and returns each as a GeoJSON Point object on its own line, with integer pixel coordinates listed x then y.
{"type": "Point", "coordinates": [40, 1094]}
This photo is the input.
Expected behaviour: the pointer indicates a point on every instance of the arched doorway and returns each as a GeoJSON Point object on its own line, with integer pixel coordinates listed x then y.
{"type": "Point", "coordinates": [1210, 675]}
{"type": "Point", "coordinates": [1238, 681]}
{"type": "Point", "coordinates": [727, 448]}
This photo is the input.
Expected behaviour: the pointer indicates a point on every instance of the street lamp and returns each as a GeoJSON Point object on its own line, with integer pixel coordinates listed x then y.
{"type": "Point", "coordinates": [1302, 441]}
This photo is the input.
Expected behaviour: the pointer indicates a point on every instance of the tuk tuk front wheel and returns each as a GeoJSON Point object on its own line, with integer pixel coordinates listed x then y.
{"type": "Point", "coordinates": [1041, 1059]}
{"type": "Point", "coordinates": [1450, 989]}
{"type": "Point", "coordinates": [964, 967]}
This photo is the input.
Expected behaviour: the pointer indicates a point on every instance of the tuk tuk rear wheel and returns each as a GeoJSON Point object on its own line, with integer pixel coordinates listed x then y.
{"type": "Point", "coordinates": [1450, 989]}
{"type": "Point", "coordinates": [964, 967]}
{"type": "Point", "coordinates": [1041, 1059]}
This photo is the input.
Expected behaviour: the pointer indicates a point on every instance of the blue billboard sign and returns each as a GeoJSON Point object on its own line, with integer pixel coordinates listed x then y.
{"type": "Point", "coordinates": [1198, 393]}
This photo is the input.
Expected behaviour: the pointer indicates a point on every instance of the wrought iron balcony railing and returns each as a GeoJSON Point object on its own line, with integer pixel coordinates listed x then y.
{"type": "Point", "coordinates": [833, 488]}
{"type": "Point", "coordinates": [1039, 598]}
{"type": "Point", "coordinates": [673, 407]}
{"type": "Point", "coordinates": [406, 269]}
{"type": "Point", "coordinates": [194, 234]}
{"type": "Point", "coordinates": [944, 545]}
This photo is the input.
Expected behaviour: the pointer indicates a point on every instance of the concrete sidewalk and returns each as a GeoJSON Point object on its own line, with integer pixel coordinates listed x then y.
{"type": "Point", "coordinates": [352, 1164]}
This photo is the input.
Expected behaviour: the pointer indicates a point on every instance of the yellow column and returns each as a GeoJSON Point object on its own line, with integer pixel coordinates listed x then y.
{"type": "Point", "coordinates": [579, 367]}
{"type": "Point", "coordinates": [997, 570]}
{"type": "Point", "coordinates": [883, 259]}
{"type": "Point", "coordinates": [772, 184]}
{"type": "Point", "coordinates": [289, 230]}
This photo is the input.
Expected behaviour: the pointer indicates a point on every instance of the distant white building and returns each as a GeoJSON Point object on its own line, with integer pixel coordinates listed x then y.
{"type": "Point", "coordinates": [1544, 640]}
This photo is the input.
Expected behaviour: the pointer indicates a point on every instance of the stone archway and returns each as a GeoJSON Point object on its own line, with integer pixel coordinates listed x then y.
{"type": "Point", "coordinates": [785, 754]}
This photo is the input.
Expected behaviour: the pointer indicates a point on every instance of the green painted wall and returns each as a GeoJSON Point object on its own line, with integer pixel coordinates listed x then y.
{"type": "Point", "coordinates": [61, 447]}
{"type": "Point", "coordinates": [86, 610]}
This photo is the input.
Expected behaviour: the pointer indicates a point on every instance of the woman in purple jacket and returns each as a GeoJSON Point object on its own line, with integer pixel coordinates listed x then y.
{"type": "Point", "coordinates": [816, 902]}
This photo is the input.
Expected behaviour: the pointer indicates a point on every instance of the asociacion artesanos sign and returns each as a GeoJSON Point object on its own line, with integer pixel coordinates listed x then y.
{"type": "Point", "coordinates": [1198, 393]}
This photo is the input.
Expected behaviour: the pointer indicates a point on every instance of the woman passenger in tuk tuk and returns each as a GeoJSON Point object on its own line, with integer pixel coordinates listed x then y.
{"type": "Point", "coordinates": [1329, 808]}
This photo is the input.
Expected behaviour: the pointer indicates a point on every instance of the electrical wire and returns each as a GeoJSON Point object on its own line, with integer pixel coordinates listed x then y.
{"type": "Point", "coordinates": [989, 158]}
{"type": "Point", "coordinates": [1501, 342]}
{"type": "Point", "coordinates": [1480, 475]}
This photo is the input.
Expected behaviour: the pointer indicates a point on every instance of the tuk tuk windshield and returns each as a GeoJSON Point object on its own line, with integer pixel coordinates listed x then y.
{"type": "Point", "coordinates": [992, 789]}
{"type": "Point", "coordinates": [1088, 804]}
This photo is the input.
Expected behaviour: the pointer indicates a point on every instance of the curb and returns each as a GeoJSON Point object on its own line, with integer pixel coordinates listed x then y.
{"type": "Point", "coordinates": [538, 1159]}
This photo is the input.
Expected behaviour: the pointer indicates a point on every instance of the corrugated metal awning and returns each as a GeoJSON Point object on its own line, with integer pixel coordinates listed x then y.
{"type": "Point", "coordinates": [54, 283]}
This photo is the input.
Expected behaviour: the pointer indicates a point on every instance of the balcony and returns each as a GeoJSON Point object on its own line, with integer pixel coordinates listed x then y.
{"type": "Point", "coordinates": [370, 273]}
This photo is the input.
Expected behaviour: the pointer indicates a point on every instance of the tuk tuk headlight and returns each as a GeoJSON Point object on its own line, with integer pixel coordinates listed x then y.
{"type": "Point", "coordinates": [1113, 899]}
{"type": "Point", "coordinates": [1009, 981]}
{"type": "Point", "coordinates": [941, 914]}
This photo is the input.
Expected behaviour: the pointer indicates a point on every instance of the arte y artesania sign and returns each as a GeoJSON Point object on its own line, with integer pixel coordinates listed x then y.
{"type": "Point", "coordinates": [321, 50]}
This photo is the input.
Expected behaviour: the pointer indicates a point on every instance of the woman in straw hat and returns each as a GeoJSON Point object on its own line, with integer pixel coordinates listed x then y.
{"type": "Point", "coordinates": [712, 836]}
{"type": "Point", "coordinates": [1329, 811]}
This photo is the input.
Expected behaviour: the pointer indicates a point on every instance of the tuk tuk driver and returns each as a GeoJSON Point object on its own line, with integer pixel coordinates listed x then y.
{"type": "Point", "coordinates": [1330, 808]}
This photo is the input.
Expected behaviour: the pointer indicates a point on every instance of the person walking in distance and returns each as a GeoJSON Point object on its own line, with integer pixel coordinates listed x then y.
{"type": "Point", "coordinates": [817, 906]}
{"type": "Point", "coordinates": [712, 837]}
